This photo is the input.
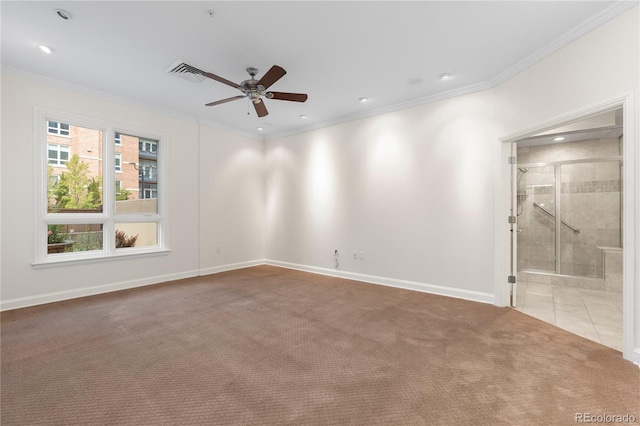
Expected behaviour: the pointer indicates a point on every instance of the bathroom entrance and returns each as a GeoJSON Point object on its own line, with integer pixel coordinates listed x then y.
{"type": "Point", "coordinates": [568, 207]}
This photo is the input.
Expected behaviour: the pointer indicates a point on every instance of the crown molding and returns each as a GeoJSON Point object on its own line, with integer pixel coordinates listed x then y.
{"type": "Point", "coordinates": [618, 8]}
{"type": "Point", "coordinates": [567, 38]}
{"type": "Point", "coordinates": [96, 93]}
{"type": "Point", "coordinates": [218, 126]}
{"type": "Point", "coordinates": [607, 15]}
{"type": "Point", "coordinates": [136, 104]}
{"type": "Point", "coordinates": [384, 110]}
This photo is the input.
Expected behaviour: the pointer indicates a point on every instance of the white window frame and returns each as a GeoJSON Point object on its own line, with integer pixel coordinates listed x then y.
{"type": "Point", "coordinates": [108, 217]}
{"type": "Point", "coordinates": [58, 130]}
{"type": "Point", "coordinates": [59, 149]}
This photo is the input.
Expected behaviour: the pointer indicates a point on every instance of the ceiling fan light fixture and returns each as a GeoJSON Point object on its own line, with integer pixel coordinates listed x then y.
{"type": "Point", "coordinates": [46, 49]}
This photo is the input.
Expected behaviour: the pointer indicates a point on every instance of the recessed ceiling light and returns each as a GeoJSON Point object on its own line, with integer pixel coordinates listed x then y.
{"type": "Point", "coordinates": [46, 49]}
{"type": "Point", "coordinates": [363, 100]}
{"type": "Point", "coordinates": [558, 139]}
{"type": "Point", "coordinates": [259, 128]}
{"type": "Point", "coordinates": [445, 76]}
{"type": "Point", "coordinates": [303, 116]}
{"type": "Point", "coordinates": [63, 14]}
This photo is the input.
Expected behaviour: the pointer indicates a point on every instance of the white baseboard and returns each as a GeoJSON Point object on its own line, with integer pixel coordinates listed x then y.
{"type": "Point", "coordinates": [475, 296]}
{"type": "Point", "coordinates": [231, 267]}
{"type": "Point", "coordinates": [40, 299]}
{"type": "Point", "coordinates": [23, 302]}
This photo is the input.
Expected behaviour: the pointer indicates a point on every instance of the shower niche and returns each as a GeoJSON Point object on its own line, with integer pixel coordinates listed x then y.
{"type": "Point", "coordinates": [569, 209]}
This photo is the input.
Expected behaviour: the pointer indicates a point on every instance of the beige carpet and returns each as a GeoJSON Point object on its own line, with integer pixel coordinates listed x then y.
{"type": "Point", "coordinates": [272, 346]}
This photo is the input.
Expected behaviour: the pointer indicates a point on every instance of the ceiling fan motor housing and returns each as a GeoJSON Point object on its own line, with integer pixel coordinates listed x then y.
{"type": "Point", "coordinates": [253, 90]}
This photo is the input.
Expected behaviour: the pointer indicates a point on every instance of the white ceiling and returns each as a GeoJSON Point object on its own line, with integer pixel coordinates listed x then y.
{"type": "Point", "coordinates": [337, 52]}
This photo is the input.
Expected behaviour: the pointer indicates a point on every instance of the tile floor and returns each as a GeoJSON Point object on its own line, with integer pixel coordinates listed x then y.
{"type": "Point", "coordinates": [593, 314]}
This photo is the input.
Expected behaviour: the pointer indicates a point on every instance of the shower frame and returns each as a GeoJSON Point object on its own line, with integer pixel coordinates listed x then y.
{"type": "Point", "coordinates": [558, 196]}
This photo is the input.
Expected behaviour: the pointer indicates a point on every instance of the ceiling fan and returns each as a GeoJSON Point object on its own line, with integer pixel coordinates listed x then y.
{"type": "Point", "coordinates": [256, 89]}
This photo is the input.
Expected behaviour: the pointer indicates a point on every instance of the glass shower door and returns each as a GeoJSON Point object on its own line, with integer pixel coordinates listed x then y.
{"type": "Point", "coordinates": [536, 195]}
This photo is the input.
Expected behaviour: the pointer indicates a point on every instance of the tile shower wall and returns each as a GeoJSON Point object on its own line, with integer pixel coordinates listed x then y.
{"type": "Point", "coordinates": [591, 203]}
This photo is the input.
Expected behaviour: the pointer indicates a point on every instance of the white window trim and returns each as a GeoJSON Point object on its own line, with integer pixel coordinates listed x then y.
{"type": "Point", "coordinates": [108, 218]}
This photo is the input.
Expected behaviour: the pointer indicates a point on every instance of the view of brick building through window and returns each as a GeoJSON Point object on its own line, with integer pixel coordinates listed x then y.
{"type": "Point", "coordinates": [135, 159]}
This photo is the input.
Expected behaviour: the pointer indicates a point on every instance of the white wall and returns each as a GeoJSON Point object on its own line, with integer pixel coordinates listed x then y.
{"type": "Point", "coordinates": [231, 200]}
{"type": "Point", "coordinates": [240, 185]}
{"type": "Point", "coordinates": [413, 189]}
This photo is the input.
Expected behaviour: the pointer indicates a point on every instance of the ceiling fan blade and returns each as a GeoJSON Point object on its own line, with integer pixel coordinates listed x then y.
{"type": "Point", "coordinates": [283, 96]}
{"type": "Point", "coordinates": [273, 75]}
{"type": "Point", "coordinates": [222, 80]}
{"type": "Point", "coordinates": [261, 109]}
{"type": "Point", "coordinates": [225, 100]}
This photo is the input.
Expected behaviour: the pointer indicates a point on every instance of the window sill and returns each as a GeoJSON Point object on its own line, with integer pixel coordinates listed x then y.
{"type": "Point", "coordinates": [77, 259]}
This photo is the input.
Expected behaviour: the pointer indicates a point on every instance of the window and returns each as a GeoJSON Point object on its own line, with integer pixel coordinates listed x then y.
{"type": "Point", "coordinates": [149, 190]}
{"type": "Point", "coordinates": [149, 170]}
{"type": "Point", "coordinates": [148, 146]}
{"type": "Point", "coordinates": [56, 128]}
{"type": "Point", "coordinates": [84, 213]}
{"type": "Point", "coordinates": [58, 155]}
{"type": "Point", "coordinates": [118, 139]}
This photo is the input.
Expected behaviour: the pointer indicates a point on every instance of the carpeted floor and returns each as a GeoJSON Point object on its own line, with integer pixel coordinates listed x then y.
{"type": "Point", "coordinates": [272, 346]}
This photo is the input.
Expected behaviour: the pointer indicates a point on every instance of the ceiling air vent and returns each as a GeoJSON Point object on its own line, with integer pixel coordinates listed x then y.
{"type": "Point", "coordinates": [186, 71]}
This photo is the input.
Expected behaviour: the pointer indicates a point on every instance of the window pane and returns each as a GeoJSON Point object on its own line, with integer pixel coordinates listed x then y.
{"type": "Point", "coordinates": [77, 186]}
{"type": "Point", "coordinates": [53, 154]}
{"type": "Point", "coordinates": [52, 127]}
{"type": "Point", "coordinates": [73, 238]}
{"type": "Point", "coordinates": [136, 234]}
{"type": "Point", "coordinates": [138, 191]}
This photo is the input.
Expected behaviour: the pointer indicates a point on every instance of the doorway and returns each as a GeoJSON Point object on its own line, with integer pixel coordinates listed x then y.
{"type": "Point", "coordinates": [568, 198]}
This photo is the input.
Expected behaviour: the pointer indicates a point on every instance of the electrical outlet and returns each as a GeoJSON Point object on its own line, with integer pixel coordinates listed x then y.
{"type": "Point", "coordinates": [355, 255]}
